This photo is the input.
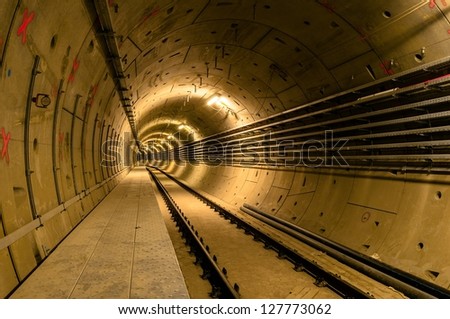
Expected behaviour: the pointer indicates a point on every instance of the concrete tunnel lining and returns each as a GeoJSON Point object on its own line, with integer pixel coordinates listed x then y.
{"type": "Point", "coordinates": [116, 71]}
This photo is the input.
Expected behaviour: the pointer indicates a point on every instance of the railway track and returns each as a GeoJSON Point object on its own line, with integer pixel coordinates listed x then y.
{"type": "Point", "coordinates": [259, 257]}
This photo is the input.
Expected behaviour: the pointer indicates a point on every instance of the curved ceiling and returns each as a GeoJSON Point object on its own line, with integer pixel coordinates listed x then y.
{"type": "Point", "coordinates": [262, 56]}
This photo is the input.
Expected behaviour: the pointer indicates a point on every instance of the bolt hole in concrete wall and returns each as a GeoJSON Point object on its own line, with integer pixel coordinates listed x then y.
{"type": "Point", "coordinates": [68, 180]}
{"type": "Point", "coordinates": [20, 196]}
{"type": "Point", "coordinates": [420, 246]}
{"type": "Point", "coordinates": [35, 145]}
{"type": "Point", "coordinates": [91, 46]}
{"type": "Point", "coordinates": [53, 41]}
{"type": "Point", "coordinates": [387, 14]}
{"type": "Point", "coordinates": [432, 274]}
{"type": "Point", "coordinates": [418, 57]}
{"type": "Point", "coordinates": [438, 195]}
{"type": "Point", "coordinates": [365, 217]}
{"type": "Point", "coordinates": [334, 25]}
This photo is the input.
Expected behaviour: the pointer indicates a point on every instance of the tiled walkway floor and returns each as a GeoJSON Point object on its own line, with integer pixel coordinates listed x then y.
{"type": "Point", "coordinates": [121, 250]}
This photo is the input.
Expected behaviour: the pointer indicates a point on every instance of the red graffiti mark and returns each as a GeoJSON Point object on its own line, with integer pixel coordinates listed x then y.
{"type": "Point", "coordinates": [25, 22]}
{"type": "Point", "coordinates": [54, 92]}
{"type": "Point", "coordinates": [363, 36]}
{"type": "Point", "coordinates": [92, 94]}
{"type": "Point", "coordinates": [327, 5]}
{"type": "Point", "coordinates": [75, 66]}
{"type": "Point", "coordinates": [6, 138]}
{"type": "Point", "coordinates": [434, 5]}
{"type": "Point", "coordinates": [152, 13]}
{"type": "Point", "coordinates": [386, 67]}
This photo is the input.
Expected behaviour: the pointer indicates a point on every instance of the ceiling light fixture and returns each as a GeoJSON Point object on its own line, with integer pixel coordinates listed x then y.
{"type": "Point", "coordinates": [220, 101]}
{"type": "Point", "coordinates": [213, 101]}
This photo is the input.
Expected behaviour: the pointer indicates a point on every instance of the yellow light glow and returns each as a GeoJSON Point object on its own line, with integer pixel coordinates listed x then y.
{"type": "Point", "coordinates": [219, 101]}
{"type": "Point", "coordinates": [213, 100]}
{"type": "Point", "coordinates": [223, 102]}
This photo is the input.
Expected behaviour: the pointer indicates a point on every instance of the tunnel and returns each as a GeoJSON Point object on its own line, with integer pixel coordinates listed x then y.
{"type": "Point", "coordinates": [329, 115]}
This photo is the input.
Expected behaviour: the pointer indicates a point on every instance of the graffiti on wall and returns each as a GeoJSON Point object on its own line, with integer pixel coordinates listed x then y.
{"type": "Point", "coordinates": [26, 20]}
{"type": "Point", "coordinates": [6, 137]}
{"type": "Point", "coordinates": [75, 66]}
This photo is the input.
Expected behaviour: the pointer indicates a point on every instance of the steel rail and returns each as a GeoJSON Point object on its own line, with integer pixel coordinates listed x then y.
{"type": "Point", "coordinates": [411, 286]}
{"type": "Point", "coordinates": [221, 286]}
{"type": "Point", "coordinates": [323, 277]}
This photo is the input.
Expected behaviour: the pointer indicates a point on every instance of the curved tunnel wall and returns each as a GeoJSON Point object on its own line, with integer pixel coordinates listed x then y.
{"type": "Point", "coordinates": [265, 56]}
{"type": "Point", "coordinates": [51, 163]}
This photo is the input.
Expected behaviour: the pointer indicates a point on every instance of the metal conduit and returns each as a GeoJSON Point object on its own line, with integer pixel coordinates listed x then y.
{"type": "Point", "coordinates": [398, 122]}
